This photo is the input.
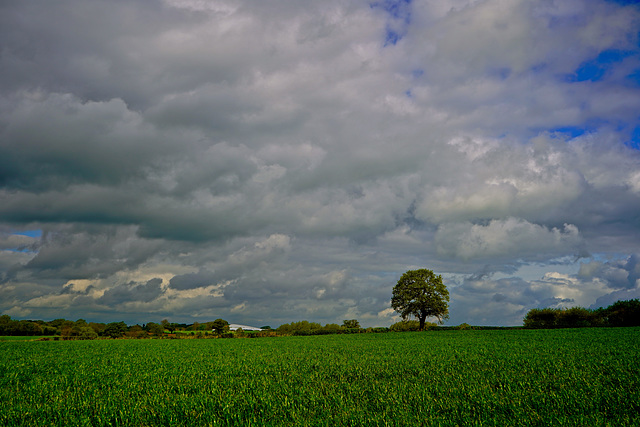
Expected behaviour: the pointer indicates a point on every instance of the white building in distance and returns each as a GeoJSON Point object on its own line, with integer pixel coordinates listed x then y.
{"type": "Point", "coordinates": [235, 327]}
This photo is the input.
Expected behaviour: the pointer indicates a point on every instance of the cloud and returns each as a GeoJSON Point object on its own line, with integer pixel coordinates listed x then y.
{"type": "Point", "coordinates": [132, 292]}
{"type": "Point", "coordinates": [618, 274]}
{"type": "Point", "coordinates": [513, 237]}
{"type": "Point", "coordinates": [17, 242]}
{"type": "Point", "coordinates": [275, 161]}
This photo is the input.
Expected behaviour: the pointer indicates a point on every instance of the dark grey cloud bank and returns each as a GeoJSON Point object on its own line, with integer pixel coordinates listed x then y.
{"type": "Point", "coordinates": [278, 161]}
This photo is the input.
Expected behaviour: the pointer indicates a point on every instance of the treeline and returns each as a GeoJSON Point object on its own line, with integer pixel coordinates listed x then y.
{"type": "Point", "coordinates": [81, 329]}
{"type": "Point", "coordinates": [219, 328]}
{"type": "Point", "coordinates": [352, 327]}
{"type": "Point", "coordinates": [620, 313]}
{"type": "Point", "coordinates": [305, 327]}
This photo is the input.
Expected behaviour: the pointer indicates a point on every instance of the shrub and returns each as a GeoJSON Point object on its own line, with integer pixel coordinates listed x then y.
{"type": "Point", "coordinates": [405, 326]}
{"type": "Point", "coordinates": [464, 327]}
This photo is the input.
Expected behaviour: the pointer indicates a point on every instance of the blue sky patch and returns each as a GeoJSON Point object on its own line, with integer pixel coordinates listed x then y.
{"type": "Point", "coordinates": [571, 131]}
{"type": "Point", "coordinates": [634, 142]}
{"type": "Point", "coordinates": [392, 37]}
{"type": "Point", "coordinates": [634, 78]}
{"type": "Point", "coordinates": [30, 233]}
{"type": "Point", "coordinates": [625, 2]}
{"type": "Point", "coordinates": [24, 248]}
{"type": "Point", "coordinates": [399, 18]}
{"type": "Point", "coordinates": [595, 69]}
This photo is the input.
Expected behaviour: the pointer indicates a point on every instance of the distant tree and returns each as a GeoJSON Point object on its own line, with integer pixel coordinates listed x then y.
{"type": "Point", "coordinates": [573, 317]}
{"type": "Point", "coordinates": [57, 323]}
{"type": "Point", "coordinates": [115, 329]}
{"type": "Point", "coordinates": [220, 326]}
{"type": "Point", "coordinates": [26, 328]}
{"type": "Point", "coordinates": [576, 317]}
{"type": "Point", "coordinates": [154, 328]}
{"type": "Point", "coordinates": [332, 327]}
{"type": "Point", "coordinates": [303, 326]}
{"type": "Point", "coordinates": [350, 324]}
{"type": "Point", "coordinates": [623, 313]}
{"type": "Point", "coordinates": [66, 329]}
{"type": "Point", "coordinates": [420, 293]}
{"type": "Point", "coordinates": [98, 327]}
{"type": "Point", "coordinates": [86, 333]}
{"type": "Point", "coordinates": [208, 326]}
{"type": "Point", "coordinates": [136, 331]}
{"type": "Point", "coordinates": [464, 327]}
{"type": "Point", "coordinates": [541, 318]}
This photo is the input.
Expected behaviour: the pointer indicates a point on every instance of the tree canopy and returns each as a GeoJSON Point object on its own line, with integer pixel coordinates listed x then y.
{"type": "Point", "coordinates": [421, 293]}
{"type": "Point", "coordinates": [220, 326]}
{"type": "Point", "coordinates": [351, 323]}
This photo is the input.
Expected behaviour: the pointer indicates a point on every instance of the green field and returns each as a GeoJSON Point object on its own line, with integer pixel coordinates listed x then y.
{"type": "Point", "coordinates": [577, 377]}
{"type": "Point", "coordinates": [19, 338]}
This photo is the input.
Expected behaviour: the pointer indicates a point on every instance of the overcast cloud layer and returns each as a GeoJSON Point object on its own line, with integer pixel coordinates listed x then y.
{"type": "Point", "coordinates": [275, 161]}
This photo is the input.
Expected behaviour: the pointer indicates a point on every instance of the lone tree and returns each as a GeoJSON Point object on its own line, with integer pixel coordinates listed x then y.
{"type": "Point", "coordinates": [422, 294]}
{"type": "Point", "coordinates": [220, 326]}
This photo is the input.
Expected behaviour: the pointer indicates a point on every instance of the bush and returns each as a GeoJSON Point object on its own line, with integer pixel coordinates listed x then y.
{"type": "Point", "coordinates": [464, 327]}
{"type": "Point", "coordinates": [405, 326]}
{"type": "Point", "coordinates": [293, 327]}
{"type": "Point", "coordinates": [262, 334]}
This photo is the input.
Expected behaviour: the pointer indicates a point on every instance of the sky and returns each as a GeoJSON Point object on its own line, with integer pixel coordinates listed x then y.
{"type": "Point", "coordinates": [276, 161]}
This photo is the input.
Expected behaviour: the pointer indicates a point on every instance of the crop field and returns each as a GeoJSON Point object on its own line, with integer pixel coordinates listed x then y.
{"type": "Point", "coordinates": [570, 377]}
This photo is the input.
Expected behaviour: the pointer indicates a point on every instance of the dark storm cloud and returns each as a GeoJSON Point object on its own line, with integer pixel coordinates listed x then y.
{"type": "Point", "coordinates": [132, 291]}
{"type": "Point", "coordinates": [98, 50]}
{"type": "Point", "coordinates": [200, 279]}
{"type": "Point", "coordinates": [88, 252]}
{"type": "Point", "coordinates": [55, 140]}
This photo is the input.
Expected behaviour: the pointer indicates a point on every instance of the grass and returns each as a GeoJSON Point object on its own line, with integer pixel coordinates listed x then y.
{"type": "Point", "coordinates": [31, 338]}
{"type": "Point", "coordinates": [571, 377]}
